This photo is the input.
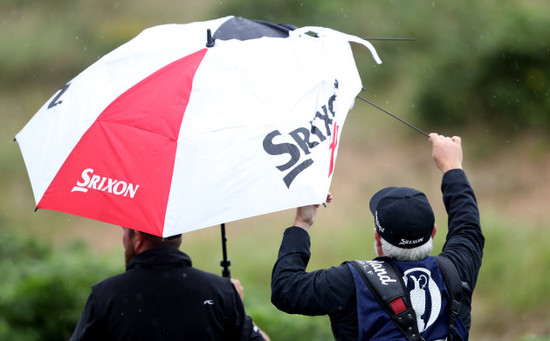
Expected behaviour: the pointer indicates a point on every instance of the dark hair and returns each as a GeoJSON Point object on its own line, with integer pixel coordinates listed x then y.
{"type": "Point", "coordinates": [155, 241]}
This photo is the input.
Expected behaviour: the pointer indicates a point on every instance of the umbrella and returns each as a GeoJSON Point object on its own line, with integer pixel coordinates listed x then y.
{"type": "Point", "coordinates": [192, 125]}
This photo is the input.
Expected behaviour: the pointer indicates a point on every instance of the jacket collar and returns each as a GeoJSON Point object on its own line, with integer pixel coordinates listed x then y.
{"type": "Point", "coordinates": [159, 256]}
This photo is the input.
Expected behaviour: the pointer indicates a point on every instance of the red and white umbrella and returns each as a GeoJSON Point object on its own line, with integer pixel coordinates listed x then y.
{"type": "Point", "coordinates": [167, 135]}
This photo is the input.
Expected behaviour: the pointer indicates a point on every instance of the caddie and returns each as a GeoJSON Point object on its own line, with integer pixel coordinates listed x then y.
{"type": "Point", "coordinates": [404, 294]}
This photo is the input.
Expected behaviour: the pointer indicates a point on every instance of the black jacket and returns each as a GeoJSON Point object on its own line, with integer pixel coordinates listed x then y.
{"type": "Point", "coordinates": [162, 297]}
{"type": "Point", "coordinates": [332, 291]}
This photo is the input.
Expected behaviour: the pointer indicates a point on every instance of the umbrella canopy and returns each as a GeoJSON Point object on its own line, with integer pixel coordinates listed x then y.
{"type": "Point", "coordinates": [192, 125]}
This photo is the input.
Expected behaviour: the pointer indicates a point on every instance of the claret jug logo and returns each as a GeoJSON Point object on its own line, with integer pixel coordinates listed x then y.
{"type": "Point", "coordinates": [425, 296]}
{"type": "Point", "coordinates": [299, 142]}
{"type": "Point", "coordinates": [96, 182]}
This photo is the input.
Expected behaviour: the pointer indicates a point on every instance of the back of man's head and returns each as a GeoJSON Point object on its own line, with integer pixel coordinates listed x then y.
{"type": "Point", "coordinates": [404, 219]}
{"type": "Point", "coordinates": [152, 241]}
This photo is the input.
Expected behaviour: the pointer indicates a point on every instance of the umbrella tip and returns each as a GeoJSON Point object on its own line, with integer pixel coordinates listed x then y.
{"type": "Point", "coordinates": [209, 39]}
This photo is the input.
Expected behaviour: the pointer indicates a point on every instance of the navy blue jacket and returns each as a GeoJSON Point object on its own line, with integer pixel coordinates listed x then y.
{"type": "Point", "coordinates": [162, 297]}
{"type": "Point", "coordinates": [332, 291]}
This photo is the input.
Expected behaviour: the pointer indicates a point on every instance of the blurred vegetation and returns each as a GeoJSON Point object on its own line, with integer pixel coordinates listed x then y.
{"type": "Point", "coordinates": [474, 63]}
{"type": "Point", "coordinates": [43, 291]}
{"type": "Point", "coordinates": [480, 69]}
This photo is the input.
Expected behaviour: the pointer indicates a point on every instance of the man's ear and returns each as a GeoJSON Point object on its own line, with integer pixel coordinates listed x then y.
{"type": "Point", "coordinates": [139, 242]}
{"type": "Point", "coordinates": [434, 231]}
{"type": "Point", "coordinates": [378, 244]}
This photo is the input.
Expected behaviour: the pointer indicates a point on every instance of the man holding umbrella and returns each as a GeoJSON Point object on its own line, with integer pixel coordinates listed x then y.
{"type": "Point", "coordinates": [434, 296]}
{"type": "Point", "coordinates": [162, 297]}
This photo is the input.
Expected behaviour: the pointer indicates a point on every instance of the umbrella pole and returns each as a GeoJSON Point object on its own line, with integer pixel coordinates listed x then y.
{"type": "Point", "coordinates": [225, 263]}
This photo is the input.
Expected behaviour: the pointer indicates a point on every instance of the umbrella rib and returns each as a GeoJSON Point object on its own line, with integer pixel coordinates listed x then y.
{"type": "Point", "coordinates": [392, 115]}
{"type": "Point", "coordinates": [391, 39]}
{"type": "Point", "coordinates": [138, 128]}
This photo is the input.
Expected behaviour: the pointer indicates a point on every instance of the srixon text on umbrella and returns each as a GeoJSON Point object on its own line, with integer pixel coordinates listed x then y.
{"type": "Point", "coordinates": [104, 184]}
{"type": "Point", "coordinates": [303, 138]}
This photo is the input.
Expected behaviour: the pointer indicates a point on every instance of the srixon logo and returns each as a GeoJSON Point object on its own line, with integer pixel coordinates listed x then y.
{"type": "Point", "coordinates": [303, 139]}
{"type": "Point", "coordinates": [96, 182]}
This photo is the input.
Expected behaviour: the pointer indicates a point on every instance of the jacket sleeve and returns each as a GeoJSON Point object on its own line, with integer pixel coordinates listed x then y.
{"type": "Point", "coordinates": [296, 291]}
{"type": "Point", "coordinates": [465, 241]}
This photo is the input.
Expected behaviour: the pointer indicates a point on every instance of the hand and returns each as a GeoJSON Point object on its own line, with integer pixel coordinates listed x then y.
{"type": "Point", "coordinates": [238, 286]}
{"type": "Point", "coordinates": [305, 215]}
{"type": "Point", "coordinates": [446, 152]}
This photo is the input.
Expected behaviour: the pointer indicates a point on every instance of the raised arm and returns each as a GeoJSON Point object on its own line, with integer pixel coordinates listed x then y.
{"type": "Point", "coordinates": [464, 242]}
